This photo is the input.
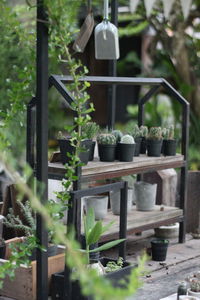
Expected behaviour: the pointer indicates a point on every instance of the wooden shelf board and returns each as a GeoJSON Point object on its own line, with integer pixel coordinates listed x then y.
{"type": "Point", "coordinates": [96, 169]}
{"type": "Point", "coordinates": [138, 219]}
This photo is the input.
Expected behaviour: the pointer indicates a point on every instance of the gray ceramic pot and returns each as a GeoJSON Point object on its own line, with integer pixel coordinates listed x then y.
{"type": "Point", "coordinates": [99, 204]}
{"type": "Point", "coordinates": [115, 201]}
{"type": "Point", "coordinates": [145, 195]}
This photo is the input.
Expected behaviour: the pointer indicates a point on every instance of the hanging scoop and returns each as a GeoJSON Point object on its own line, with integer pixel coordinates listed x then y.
{"type": "Point", "coordinates": [106, 38]}
{"type": "Point", "coordinates": [85, 31]}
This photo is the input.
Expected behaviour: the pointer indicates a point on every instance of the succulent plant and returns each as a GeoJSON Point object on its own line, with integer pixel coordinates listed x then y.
{"type": "Point", "coordinates": [136, 131]}
{"type": "Point", "coordinates": [155, 133]}
{"type": "Point", "coordinates": [90, 130]}
{"type": "Point", "coordinates": [168, 133]}
{"type": "Point", "coordinates": [106, 139]}
{"type": "Point", "coordinates": [171, 132]}
{"type": "Point", "coordinates": [118, 134]}
{"type": "Point", "coordinates": [195, 285]}
{"type": "Point", "coordinates": [127, 139]}
{"type": "Point", "coordinates": [143, 131]}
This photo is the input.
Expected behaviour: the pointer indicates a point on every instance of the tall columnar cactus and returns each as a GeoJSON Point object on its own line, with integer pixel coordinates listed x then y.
{"type": "Point", "coordinates": [118, 134]}
{"type": "Point", "coordinates": [136, 131]}
{"type": "Point", "coordinates": [106, 139]}
{"type": "Point", "coordinates": [127, 139]}
{"type": "Point", "coordinates": [171, 132]}
{"type": "Point", "coordinates": [143, 131]}
{"type": "Point", "coordinates": [165, 133]}
{"type": "Point", "coordinates": [155, 133]}
{"type": "Point", "coordinates": [90, 130]}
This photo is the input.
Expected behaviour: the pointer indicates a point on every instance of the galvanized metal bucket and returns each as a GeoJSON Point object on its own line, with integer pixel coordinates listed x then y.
{"type": "Point", "coordinates": [106, 38]}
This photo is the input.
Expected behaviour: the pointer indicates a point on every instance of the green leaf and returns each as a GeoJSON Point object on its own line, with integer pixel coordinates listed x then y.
{"type": "Point", "coordinates": [95, 233]}
{"type": "Point", "coordinates": [89, 221]}
{"type": "Point", "coordinates": [108, 245]}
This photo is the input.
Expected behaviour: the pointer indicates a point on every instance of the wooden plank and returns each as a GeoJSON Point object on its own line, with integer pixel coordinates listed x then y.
{"type": "Point", "coordinates": [139, 164]}
{"type": "Point", "coordinates": [23, 287]}
{"type": "Point", "coordinates": [137, 219]}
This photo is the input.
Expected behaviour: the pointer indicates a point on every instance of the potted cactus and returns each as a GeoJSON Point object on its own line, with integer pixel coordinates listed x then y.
{"type": "Point", "coordinates": [137, 137]}
{"type": "Point", "coordinates": [67, 148]}
{"type": "Point", "coordinates": [169, 143]}
{"type": "Point", "coordinates": [194, 285]}
{"type": "Point", "coordinates": [126, 148]}
{"type": "Point", "coordinates": [90, 131]}
{"type": "Point", "coordinates": [154, 141]}
{"type": "Point", "coordinates": [143, 134]}
{"type": "Point", "coordinates": [118, 134]}
{"type": "Point", "coordinates": [106, 146]}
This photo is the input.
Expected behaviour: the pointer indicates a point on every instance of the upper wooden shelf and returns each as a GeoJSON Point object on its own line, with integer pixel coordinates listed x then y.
{"type": "Point", "coordinates": [103, 170]}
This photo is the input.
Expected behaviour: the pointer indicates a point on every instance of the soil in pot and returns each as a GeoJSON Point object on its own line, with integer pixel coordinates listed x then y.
{"type": "Point", "coordinates": [66, 147]}
{"type": "Point", "coordinates": [145, 195]}
{"type": "Point", "coordinates": [169, 147]}
{"type": "Point", "coordinates": [106, 152]}
{"type": "Point", "coordinates": [159, 249]}
{"type": "Point", "coordinates": [138, 141]}
{"type": "Point", "coordinates": [91, 151]}
{"type": "Point", "coordinates": [126, 151]}
{"type": "Point", "coordinates": [154, 147]}
{"type": "Point", "coordinates": [99, 204]}
{"type": "Point", "coordinates": [115, 201]}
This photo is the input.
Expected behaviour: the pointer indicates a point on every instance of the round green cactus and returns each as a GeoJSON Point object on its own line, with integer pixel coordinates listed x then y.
{"type": "Point", "coordinates": [155, 133]}
{"type": "Point", "coordinates": [127, 139]}
{"type": "Point", "coordinates": [118, 134]}
{"type": "Point", "coordinates": [106, 139]}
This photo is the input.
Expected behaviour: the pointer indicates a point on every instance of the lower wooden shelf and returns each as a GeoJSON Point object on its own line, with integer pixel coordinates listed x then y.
{"type": "Point", "coordinates": [142, 220]}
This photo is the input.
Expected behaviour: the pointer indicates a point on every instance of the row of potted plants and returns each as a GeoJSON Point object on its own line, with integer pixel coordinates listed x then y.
{"type": "Point", "coordinates": [116, 146]}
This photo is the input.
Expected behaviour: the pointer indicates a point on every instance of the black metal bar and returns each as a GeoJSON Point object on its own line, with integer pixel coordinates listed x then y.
{"type": "Point", "coordinates": [184, 170]}
{"type": "Point", "coordinates": [61, 88]}
{"type": "Point", "coordinates": [42, 145]}
{"type": "Point", "coordinates": [114, 80]}
{"type": "Point", "coordinates": [30, 132]}
{"type": "Point", "coordinates": [148, 95]}
{"type": "Point", "coordinates": [123, 220]}
{"type": "Point", "coordinates": [174, 93]}
{"type": "Point", "coordinates": [140, 114]}
{"type": "Point", "coordinates": [112, 71]}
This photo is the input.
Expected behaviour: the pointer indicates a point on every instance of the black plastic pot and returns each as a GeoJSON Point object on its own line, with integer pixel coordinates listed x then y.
{"type": "Point", "coordinates": [169, 147]}
{"type": "Point", "coordinates": [143, 146]}
{"type": "Point", "coordinates": [126, 152]}
{"type": "Point", "coordinates": [66, 147]}
{"type": "Point", "coordinates": [137, 146]}
{"type": "Point", "coordinates": [57, 283]}
{"type": "Point", "coordinates": [159, 249]}
{"type": "Point", "coordinates": [2, 251]}
{"type": "Point", "coordinates": [106, 152]}
{"type": "Point", "coordinates": [117, 151]}
{"type": "Point", "coordinates": [91, 151]}
{"type": "Point", "coordinates": [154, 147]}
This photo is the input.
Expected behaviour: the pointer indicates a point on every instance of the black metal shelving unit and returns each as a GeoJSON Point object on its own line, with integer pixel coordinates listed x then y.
{"type": "Point", "coordinates": [40, 129]}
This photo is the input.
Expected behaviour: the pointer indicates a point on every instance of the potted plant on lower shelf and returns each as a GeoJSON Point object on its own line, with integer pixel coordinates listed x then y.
{"type": "Point", "coordinates": [169, 143]}
{"type": "Point", "coordinates": [126, 148]}
{"type": "Point", "coordinates": [106, 146]}
{"type": "Point", "coordinates": [194, 285]}
{"type": "Point", "coordinates": [92, 233]}
{"type": "Point", "coordinates": [159, 249]}
{"type": "Point", "coordinates": [154, 141]}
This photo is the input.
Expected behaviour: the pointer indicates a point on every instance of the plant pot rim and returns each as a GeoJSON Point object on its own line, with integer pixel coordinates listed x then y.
{"type": "Point", "coordinates": [160, 241]}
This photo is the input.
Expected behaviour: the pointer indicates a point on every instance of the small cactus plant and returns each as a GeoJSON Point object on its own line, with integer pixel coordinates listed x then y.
{"type": "Point", "coordinates": [127, 139]}
{"type": "Point", "coordinates": [155, 133]}
{"type": "Point", "coordinates": [143, 131]}
{"type": "Point", "coordinates": [106, 139]}
{"type": "Point", "coordinates": [195, 285]}
{"type": "Point", "coordinates": [118, 134]}
{"type": "Point", "coordinates": [90, 130]}
{"type": "Point", "coordinates": [168, 133]}
{"type": "Point", "coordinates": [136, 131]}
{"type": "Point", "coordinates": [171, 132]}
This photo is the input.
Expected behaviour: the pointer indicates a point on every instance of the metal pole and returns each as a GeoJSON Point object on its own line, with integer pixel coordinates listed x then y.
{"type": "Point", "coordinates": [112, 72]}
{"type": "Point", "coordinates": [42, 145]}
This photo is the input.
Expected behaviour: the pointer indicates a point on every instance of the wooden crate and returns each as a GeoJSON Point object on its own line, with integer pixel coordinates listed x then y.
{"type": "Point", "coordinates": [23, 287]}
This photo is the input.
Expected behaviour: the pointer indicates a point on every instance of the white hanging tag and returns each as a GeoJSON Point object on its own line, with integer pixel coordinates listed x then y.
{"type": "Point", "coordinates": [167, 6]}
{"type": "Point", "coordinates": [186, 4]}
{"type": "Point", "coordinates": [133, 5]}
{"type": "Point", "coordinates": [149, 6]}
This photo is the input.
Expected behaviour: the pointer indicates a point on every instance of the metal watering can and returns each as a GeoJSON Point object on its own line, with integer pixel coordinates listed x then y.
{"type": "Point", "coordinates": [106, 38]}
